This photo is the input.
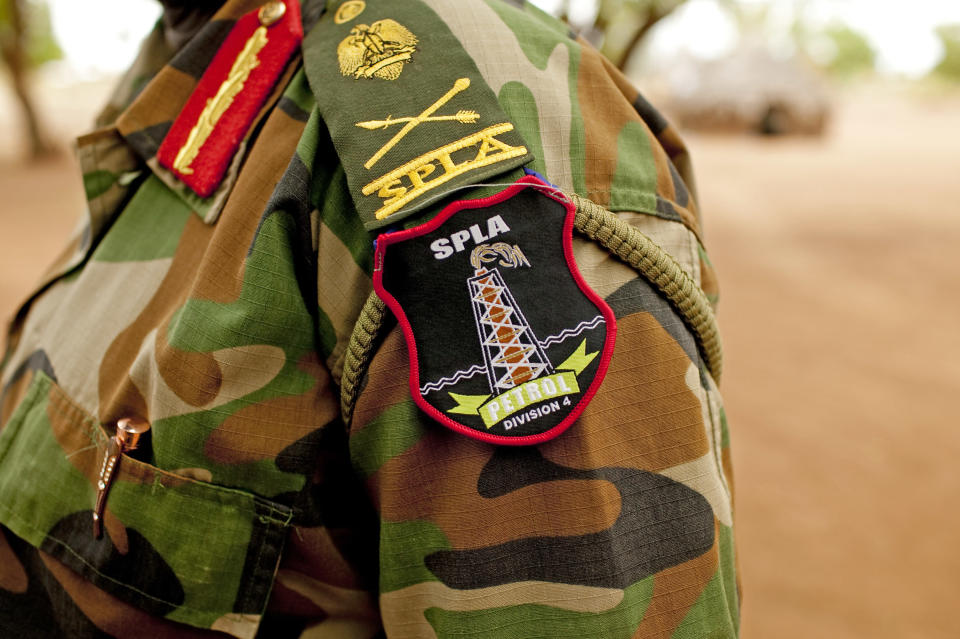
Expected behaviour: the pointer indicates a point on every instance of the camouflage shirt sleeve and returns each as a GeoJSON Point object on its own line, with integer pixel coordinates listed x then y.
{"type": "Point", "coordinates": [621, 526]}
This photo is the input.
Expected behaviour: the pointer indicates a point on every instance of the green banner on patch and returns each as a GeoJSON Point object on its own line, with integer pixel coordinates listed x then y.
{"type": "Point", "coordinates": [531, 396]}
{"type": "Point", "coordinates": [407, 109]}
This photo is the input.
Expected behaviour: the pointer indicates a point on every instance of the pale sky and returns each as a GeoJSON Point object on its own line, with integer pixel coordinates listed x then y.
{"type": "Point", "coordinates": [101, 36]}
{"type": "Point", "coordinates": [901, 32]}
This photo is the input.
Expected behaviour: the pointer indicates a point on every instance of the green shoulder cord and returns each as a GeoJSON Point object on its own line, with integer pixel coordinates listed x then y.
{"type": "Point", "coordinates": [626, 242]}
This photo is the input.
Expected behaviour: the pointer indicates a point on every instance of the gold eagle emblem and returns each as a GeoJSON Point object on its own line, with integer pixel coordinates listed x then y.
{"type": "Point", "coordinates": [380, 50]}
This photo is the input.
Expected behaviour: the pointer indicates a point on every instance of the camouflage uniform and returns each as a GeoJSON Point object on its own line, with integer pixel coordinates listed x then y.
{"type": "Point", "coordinates": [289, 482]}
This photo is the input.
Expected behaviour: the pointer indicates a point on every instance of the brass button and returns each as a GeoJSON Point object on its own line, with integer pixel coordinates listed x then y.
{"type": "Point", "coordinates": [129, 430]}
{"type": "Point", "coordinates": [349, 10]}
{"type": "Point", "coordinates": [271, 12]}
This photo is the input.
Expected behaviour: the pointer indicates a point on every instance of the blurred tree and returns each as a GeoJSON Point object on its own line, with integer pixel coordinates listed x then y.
{"type": "Point", "coordinates": [852, 53]}
{"type": "Point", "coordinates": [26, 41]}
{"type": "Point", "coordinates": [620, 25]}
{"type": "Point", "coordinates": [949, 65]}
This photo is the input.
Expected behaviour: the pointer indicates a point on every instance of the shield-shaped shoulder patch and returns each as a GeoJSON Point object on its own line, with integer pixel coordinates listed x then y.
{"type": "Point", "coordinates": [507, 342]}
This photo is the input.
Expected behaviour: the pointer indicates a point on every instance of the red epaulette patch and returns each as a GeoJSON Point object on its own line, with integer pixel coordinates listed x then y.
{"type": "Point", "coordinates": [206, 134]}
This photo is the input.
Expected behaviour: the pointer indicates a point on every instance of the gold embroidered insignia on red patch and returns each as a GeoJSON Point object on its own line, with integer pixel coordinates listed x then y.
{"type": "Point", "coordinates": [205, 136]}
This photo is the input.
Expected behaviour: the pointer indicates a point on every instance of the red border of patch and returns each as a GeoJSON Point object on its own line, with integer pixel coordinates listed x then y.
{"type": "Point", "coordinates": [213, 158]}
{"type": "Point", "coordinates": [386, 239]}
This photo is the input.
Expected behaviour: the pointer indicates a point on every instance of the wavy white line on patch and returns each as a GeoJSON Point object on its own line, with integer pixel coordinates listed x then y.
{"type": "Point", "coordinates": [443, 382]}
{"type": "Point", "coordinates": [567, 333]}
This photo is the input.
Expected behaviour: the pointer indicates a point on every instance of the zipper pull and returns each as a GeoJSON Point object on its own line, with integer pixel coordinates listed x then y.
{"type": "Point", "coordinates": [129, 430]}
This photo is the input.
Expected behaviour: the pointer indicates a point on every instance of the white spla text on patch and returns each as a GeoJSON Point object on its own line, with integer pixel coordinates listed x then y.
{"type": "Point", "coordinates": [442, 247]}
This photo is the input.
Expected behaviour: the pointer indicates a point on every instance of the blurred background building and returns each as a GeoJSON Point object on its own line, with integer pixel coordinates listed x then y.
{"type": "Point", "coordinates": [825, 134]}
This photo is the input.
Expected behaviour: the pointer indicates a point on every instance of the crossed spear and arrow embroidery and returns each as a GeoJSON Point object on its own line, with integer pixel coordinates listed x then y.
{"type": "Point", "coordinates": [464, 116]}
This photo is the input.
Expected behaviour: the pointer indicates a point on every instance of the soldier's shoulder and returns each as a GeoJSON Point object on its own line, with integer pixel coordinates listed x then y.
{"type": "Point", "coordinates": [498, 32]}
{"type": "Point", "coordinates": [518, 15]}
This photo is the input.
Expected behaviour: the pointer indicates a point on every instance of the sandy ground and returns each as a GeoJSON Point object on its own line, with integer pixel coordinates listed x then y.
{"type": "Point", "coordinates": [839, 312]}
{"type": "Point", "coordinates": [839, 275]}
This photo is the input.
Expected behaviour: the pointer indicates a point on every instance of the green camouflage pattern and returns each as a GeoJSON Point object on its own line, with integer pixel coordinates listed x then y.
{"type": "Point", "coordinates": [255, 508]}
{"type": "Point", "coordinates": [179, 555]}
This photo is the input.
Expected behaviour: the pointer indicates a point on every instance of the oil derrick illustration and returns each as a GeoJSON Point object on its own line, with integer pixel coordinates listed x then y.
{"type": "Point", "coordinates": [511, 353]}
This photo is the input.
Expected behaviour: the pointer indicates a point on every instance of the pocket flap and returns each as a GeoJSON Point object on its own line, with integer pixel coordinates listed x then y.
{"type": "Point", "coordinates": [179, 548]}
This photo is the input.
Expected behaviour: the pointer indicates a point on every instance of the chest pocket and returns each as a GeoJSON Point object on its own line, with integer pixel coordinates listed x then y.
{"type": "Point", "coordinates": [187, 550]}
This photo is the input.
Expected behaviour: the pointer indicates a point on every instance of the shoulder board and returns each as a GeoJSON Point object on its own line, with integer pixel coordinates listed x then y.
{"type": "Point", "coordinates": [410, 116]}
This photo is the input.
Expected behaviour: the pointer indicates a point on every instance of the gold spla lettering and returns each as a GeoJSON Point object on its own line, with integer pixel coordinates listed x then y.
{"type": "Point", "coordinates": [490, 152]}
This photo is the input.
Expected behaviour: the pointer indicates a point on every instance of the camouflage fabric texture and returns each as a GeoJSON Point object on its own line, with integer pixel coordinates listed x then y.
{"type": "Point", "coordinates": [258, 506]}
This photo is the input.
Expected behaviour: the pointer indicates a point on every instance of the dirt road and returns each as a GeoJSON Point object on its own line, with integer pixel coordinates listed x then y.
{"type": "Point", "coordinates": [839, 309]}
